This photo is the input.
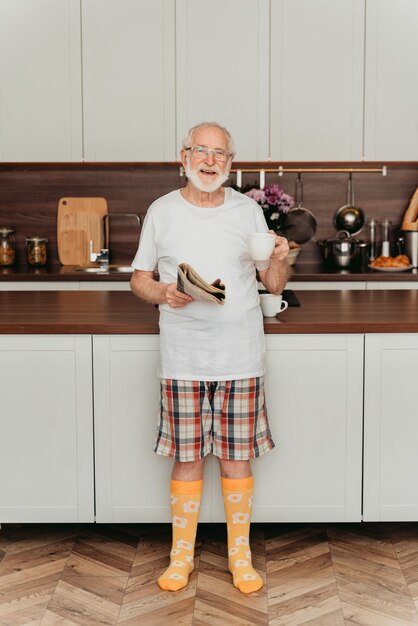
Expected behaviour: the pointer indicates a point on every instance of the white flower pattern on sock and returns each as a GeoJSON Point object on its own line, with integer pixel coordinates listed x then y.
{"type": "Point", "coordinates": [191, 507]}
{"type": "Point", "coordinates": [241, 541]}
{"type": "Point", "coordinates": [240, 518]}
{"type": "Point", "coordinates": [175, 576]}
{"type": "Point", "coordinates": [235, 497]}
{"type": "Point", "coordinates": [186, 545]}
{"type": "Point", "coordinates": [179, 522]}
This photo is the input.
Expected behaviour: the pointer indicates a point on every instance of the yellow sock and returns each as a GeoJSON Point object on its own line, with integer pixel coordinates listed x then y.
{"type": "Point", "coordinates": [238, 498]}
{"type": "Point", "coordinates": [185, 502]}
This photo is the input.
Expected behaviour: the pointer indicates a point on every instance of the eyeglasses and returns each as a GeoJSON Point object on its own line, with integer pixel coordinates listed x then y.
{"type": "Point", "coordinates": [200, 152]}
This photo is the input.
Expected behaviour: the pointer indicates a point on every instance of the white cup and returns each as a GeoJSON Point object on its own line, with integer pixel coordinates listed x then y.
{"type": "Point", "coordinates": [261, 245]}
{"type": "Point", "coordinates": [272, 304]}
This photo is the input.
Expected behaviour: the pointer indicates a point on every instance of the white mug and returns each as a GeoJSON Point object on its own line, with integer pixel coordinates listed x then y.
{"type": "Point", "coordinates": [261, 245]}
{"type": "Point", "coordinates": [272, 304]}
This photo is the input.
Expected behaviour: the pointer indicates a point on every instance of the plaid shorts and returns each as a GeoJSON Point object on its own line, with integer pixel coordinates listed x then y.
{"type": "Point", "coordinates": [228, 418]}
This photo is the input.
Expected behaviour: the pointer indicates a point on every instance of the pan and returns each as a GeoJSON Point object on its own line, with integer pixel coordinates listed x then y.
{"type": "Point", "coordinates": [300, 223]}
{"type": "Point", "coordinates": [349, 217]}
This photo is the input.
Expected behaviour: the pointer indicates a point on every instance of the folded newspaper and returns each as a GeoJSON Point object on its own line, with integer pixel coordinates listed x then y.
{"type": "Point", "coordinates": [189, 281]}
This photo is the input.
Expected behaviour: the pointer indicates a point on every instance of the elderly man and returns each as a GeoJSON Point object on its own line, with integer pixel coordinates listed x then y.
{"type": "Point", "coordinates": [211, 356]}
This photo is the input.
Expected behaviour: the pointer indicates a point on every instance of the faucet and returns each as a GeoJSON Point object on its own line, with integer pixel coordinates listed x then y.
{"type": "Point", "coordinates": [102, 257]}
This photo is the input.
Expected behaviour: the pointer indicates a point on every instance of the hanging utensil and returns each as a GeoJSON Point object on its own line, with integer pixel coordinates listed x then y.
{"type": "Point", "coordinates": [300, 223]}
{"type": "Point", "coordinates": [349, 217]}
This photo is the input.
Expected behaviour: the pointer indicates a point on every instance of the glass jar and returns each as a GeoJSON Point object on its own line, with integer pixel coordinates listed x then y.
{"type": "Point", "coordinates": [36, 251]}
{"type": "Point", "coordinates": [7, 246]}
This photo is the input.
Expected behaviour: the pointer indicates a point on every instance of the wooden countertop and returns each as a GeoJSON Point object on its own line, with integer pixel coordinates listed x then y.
{"type": "Point", "coordinates": [110, 312]}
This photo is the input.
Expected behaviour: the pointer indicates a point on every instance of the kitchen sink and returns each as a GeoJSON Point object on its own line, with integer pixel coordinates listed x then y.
{"type": "Point", "coordinates": [105, 270]}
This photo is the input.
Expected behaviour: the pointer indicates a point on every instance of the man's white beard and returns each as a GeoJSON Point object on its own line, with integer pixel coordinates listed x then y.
{"type": "Point", "coordinates": [210, 186]}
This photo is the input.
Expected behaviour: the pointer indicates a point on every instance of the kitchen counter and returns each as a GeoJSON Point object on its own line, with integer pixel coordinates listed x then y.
{"type": "Point", "coordinates": [57, 273]}
{"type": "Point", "coordinates": [109, 312]}
{"type": "Point", "coordinates": [319, 272]}
{"type": "Point", "coordinates": [309, 272]}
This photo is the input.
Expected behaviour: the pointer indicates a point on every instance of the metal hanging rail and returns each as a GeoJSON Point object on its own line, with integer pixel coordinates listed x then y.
{"type": "Point", "coordinates": [301, 170]}
{"type": "Point", "coordinates": [283, 170]}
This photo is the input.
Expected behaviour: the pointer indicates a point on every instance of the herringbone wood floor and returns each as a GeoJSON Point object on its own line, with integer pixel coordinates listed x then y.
{"type": "Point", "coordinates": [315, 575]}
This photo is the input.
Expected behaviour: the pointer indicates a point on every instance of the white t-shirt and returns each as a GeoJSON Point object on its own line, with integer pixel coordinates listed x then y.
{"type": "Point", "coordinates": [206, 341]}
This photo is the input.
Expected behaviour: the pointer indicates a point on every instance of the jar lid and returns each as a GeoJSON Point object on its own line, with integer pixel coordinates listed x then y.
{"type": "Point", "coordinates": [6, 230]}
{"type": "Point", "coordinates": [36, 240]}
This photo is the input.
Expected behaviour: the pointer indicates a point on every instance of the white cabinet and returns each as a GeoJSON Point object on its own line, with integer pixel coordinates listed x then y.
{"type": "Point", "coordinates": [28, 285]}
{"type": "Point", "coordinates": [222, 70]}
{"type": "Point", "coordinates": [128, 80]}
{"type": "Point", "coordinates": [314, 474]}
{"type": "Point", "coordinates": [132, 482]}
{"type": "Point", "coordinates": [91, 285]}
{"type": "Point", "coordinates": [391, 86]}
{"type": "Point", "coordinates": [335, 285]}
{"type": "Point", "coordinates": [40, 81]}
{"type": "Point", "coordinates": [46, 420]}
{"type": "Point", "coordinates": [292, 80]}
{"type": "Point", "coordinates": [317, 70]}
{"type": "Point", "coordinates": [391, 428]}
{"type": "Point", "coordinates": [314, 391]}
{"type": "Point", "coordinates": [413, 285]}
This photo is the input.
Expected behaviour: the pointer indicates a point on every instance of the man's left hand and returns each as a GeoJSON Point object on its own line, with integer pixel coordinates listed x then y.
{"type": "Point", "coordinates": [281, 248]}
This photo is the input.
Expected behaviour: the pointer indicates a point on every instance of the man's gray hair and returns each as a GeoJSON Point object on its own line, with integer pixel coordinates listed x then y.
{"type": "Point", "coordinates": [187, 141]}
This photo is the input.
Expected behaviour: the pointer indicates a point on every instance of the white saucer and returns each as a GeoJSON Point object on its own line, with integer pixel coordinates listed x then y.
{"type": "Point", "coordinates": [392, 269]}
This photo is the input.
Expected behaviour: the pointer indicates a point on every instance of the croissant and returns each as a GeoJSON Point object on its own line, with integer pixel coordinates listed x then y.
{"type": "Point", "coordinates": [389, 261]}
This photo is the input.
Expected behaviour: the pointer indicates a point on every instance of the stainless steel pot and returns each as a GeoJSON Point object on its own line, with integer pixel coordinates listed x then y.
{"type": "Point", "coordinates": [343, 251]}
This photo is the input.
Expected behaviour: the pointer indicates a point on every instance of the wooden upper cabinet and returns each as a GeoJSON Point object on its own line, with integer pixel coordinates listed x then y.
{"type": "Point", "coordinates": [129, 80]}
{"type": "Point", "coordinates": [391, 111]}
{"type": "Point", "coordinates": [317, 73]}
{"type": "Point", "coordinates": [40, 80]}
{"type": "Point", "coordinates": [222, 69]}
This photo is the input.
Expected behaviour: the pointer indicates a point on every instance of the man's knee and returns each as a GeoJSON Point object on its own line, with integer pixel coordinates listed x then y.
{"type": "Point", "coordinates": [234, 469]}
{"type": "Point", "coordinates": [188, 470]}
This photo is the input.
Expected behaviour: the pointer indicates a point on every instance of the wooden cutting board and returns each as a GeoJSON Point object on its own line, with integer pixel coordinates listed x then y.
{"type": "Point", "coordinates": [79, 220]}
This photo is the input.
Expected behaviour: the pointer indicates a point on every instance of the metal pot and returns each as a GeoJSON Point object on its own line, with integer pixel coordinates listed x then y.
{"type": "Point", "coordinates": [343, 251]}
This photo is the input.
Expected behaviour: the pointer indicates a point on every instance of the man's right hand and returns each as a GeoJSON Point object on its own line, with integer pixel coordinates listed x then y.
{"type": "Point", "coordinates": [175, 298]}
